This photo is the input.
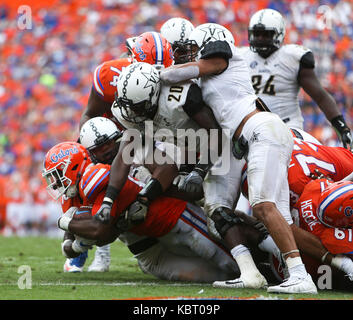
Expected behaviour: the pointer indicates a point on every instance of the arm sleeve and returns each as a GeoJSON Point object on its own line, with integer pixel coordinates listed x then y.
{"type": "Point", "coordinates": [307, 61]}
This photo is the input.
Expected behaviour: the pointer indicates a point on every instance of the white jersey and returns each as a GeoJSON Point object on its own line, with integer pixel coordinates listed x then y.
{"type": "Point", "coordinates": [170, 113]}
{"type": "Point", "coordinates": [230, 94]}
{"type": "Point", "coordinates": [167, 122]}
{"type": "Point", "coordinates": [275, 81]}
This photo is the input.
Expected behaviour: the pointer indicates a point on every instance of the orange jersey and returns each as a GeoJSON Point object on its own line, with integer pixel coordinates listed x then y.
{"type": "Point", "coordinates": [336, 240]}
{"type": "Point", "coordinates": [162, 215]}
{"type": "Point", "coordinates": [334, 162]}
{"type": "Point", "coordinates": [105, 78]}
{"type": "Point", "coordinates": [67, 203]}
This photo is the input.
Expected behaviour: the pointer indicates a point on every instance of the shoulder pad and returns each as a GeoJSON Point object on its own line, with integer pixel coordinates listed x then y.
{"type": "Point", "coordinates": [216, 49]}
{"type": "Point", "coordinates": [94, 180]}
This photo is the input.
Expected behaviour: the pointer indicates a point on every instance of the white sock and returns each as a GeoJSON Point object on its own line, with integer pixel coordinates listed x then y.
{"type": "Point", "coordinates": [243, 257]}
{"type": "Point", "coordinates": [296, 267]}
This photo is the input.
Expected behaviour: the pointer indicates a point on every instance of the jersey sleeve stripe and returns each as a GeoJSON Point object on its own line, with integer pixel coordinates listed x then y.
{"type": "Point", "coordinates": [85, 181]}
{"type": "Point", "coordinates": [93, 181]}
{"type": "Point", "coordinates": [159, 48]}
{"type": "Point", "coordinates": [96, 81]}
{"type": "Point", "coordinates": [98, 183]}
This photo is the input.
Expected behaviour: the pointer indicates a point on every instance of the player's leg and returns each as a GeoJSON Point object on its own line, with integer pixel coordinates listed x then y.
{"type": "Point", "coordinates": [270, 147]}
{"type": "Point", "coordinates": [221, 193]}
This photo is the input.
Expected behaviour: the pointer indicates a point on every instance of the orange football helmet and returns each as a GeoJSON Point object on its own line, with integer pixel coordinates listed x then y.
{"type": "Point", "coordinates": [153, 48]}
{"type": "Point", "coordinates": [63, 166]}
{"type": "Point", "coordinates": [335, 207]}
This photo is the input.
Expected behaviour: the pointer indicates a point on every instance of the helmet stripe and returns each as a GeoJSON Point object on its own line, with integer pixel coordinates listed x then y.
{"type": "Point", "coordinates": [159, 47]}
{"type": "Point", "coordinates": [332, 197]}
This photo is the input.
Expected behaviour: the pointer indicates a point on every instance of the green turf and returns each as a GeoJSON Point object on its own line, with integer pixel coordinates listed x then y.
{"type": "Point", "coordinates": [124, 280]}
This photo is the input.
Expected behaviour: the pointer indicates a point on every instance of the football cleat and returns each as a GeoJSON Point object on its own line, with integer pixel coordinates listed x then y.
{"type": "Point", "coordinates": [76, 264]}
{"type": "Point", "coordinates": [295, 285]}
{"type": "Point", "coordinates": [101, 261]}
{"type": "Point", "coordinates": [252, 281]}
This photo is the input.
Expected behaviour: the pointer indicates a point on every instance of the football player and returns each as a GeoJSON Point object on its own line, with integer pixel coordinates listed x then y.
{"type": "Point", "coordinates": [149, 47]}
{"type": "Point", "coordinates": [178, 225]}
{"type": "Point", "coordinates": [308, 158]}
{"type": "Point", "coordinates": [278, 72]}
{"type": "Point", "coordinates": [325, 210]}
{"type": "Point", "coordinates": [261, 137]}
{"type": "Point", "coordinates": [174, 114]}
{"type": "Point", "coordinates": [101, 137]}
{"type": "Point", "coordinates": [64, 164]}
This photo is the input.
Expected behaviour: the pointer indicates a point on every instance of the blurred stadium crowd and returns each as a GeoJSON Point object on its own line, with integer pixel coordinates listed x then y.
{"type": "Point", "coordinates": [46, 76]}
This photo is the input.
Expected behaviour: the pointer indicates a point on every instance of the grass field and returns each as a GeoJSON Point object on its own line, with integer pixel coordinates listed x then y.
{"type": "Point", "coordinates": [124, 280]}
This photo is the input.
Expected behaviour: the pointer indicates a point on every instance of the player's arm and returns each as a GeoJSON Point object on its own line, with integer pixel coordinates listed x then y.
{"type": "Point", "coordinates": [213, 61]}
{"type": "Point", "coordinates": [197, 110]}
{"type": "Point", "coordinates": [96, 106]}
{"type": "Point", "coordinates": [308, 80]}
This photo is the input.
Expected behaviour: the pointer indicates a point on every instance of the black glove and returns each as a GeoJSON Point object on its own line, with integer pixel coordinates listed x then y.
{"type": "Point", "coordinates": [134, 215]}
{"type": "Point", "coordinates": [137, 211]}
{"type": "Point", "coordinates": [343, 132]}
{"type": "Point", "coordinates": [103, 214]}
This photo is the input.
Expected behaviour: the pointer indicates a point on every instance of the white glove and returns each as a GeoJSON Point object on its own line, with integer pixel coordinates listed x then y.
{"type": "Point", "coordinates": [82, 245]}
{"type": "Point", "coordinates": [344, 264]}
{"type": "Point", "coordinates": [65, 219]}
{"type": "Point", "coordinates": [179, 179]}
{"type": "Point", "coordinates": [212, 229]}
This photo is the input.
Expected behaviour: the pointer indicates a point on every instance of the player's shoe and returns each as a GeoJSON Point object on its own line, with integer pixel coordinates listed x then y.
{"type": "Point", "coordinates": [76, 264]}
{"type": "Point", "coordinates": [257, 281]}
{"type": "Point", "coordinates": [101, 261]}
{"type": "Point", "coordinates": [295, 285]}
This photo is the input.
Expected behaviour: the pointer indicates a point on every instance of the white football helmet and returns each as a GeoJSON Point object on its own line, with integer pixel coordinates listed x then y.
{"type": "Point", "coordinates": [177, 31]}
{"type": "Point", "coordinates": [205, 33]}
{"type": "Point", "coordinates": [101, 137]}
{"type": "Point", "coordinates": [266, 31]}
{"type": "Point", "coordinates": [138, 92]}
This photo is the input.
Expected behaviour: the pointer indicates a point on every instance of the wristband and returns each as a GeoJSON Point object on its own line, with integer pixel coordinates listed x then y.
{"type": "Point", "coordinates": [63, 222]}
{"type": "Point", "coordinates": [151, 190]}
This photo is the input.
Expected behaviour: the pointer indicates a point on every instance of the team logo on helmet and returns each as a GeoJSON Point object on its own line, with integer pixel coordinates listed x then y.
{"type": "Point", "coordinates": [55, 157]}
{"type": "Point", "coordinates": [348, 211]}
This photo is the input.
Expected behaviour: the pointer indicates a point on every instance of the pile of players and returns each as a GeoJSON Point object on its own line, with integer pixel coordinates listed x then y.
{"type": "Point", "coordinates": [178, 216]}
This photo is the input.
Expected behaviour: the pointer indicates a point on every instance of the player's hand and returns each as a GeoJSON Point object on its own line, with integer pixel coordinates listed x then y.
{"type": "Point", "coordinates": [347, 140]}
{"type": "Point", "coordinates": [134, 215]}
{"type": "Point", "coordinates": [82, 245]}
{"type": "Point", "coordinates": [64, 220]}
{"type": "Point", "coordinates": [103, 214]}
{"type": "Point", "coordinates": [137, 211]}
{"type": "Point", "coordinates": [317, 174]}
{"type": "Point", "coordinates": [179, 179]}
{"type": "Point", "coordinates": [192, 183]}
